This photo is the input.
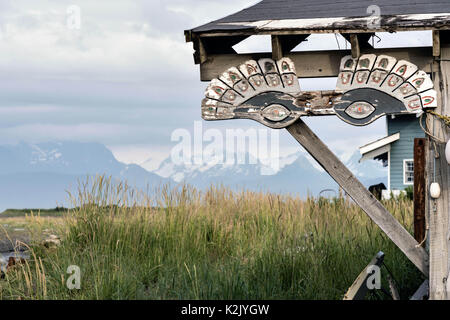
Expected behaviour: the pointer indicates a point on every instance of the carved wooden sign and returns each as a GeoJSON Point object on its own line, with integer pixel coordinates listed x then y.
{"type": "Point", "coordinates": [367, 89]}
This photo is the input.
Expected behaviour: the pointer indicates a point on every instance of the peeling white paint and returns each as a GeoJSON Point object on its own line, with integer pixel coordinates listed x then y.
{"type": "Point", "coordinates": [329, 22]}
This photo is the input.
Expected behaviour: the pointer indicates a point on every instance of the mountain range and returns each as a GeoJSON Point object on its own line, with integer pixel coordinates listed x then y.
{"type": "Point", "coordinates": [41, 175]}
{"type": "Point", "coordinates": [297, 174]}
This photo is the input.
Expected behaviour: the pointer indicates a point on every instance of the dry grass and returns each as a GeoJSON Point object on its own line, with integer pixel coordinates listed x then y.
{"type": "Point", "coordinates": [184, 244]}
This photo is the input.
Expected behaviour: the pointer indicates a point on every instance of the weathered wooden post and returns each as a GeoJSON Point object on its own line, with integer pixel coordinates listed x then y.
{"type": "Point", "coordinates": [420, 190]}
{"type": "Point", "coordinates": [371, 83]}
{"type": "Point", "coordinates": [439, 171]}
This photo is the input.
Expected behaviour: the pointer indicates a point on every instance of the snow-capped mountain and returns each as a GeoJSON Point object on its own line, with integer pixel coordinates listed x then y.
{"type": "Point", "coordinates": [39, 175]}
{"type": "Point", "coordinates": [297, 173]}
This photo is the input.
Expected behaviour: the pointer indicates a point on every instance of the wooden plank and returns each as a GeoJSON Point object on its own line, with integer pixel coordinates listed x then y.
{"type": "Point", "coordinates": [436, 44]}
{"type": "Point", "coordinates": [358, 289]}
{"type": "Point", "coordinates": [393, 289]}
{"type": "Point", "coordinates": [422, 292]}
{"type": "Point", "coordinates": [354, 41]}
{"type": "Point", "coordinates": [203, 55]}
{"type": "Point", "coordinates": [356, 190]}
{"type": "Point", "coordinates": [405, 22]}
{"type": "Point", "coordinates": [313, 64]}
{"type": "Point", "coordinates": [277, 50]}
{"type": "Point", "coordinates": [420, 189]}
{"type": "Point", "coordinates": [439, 209]}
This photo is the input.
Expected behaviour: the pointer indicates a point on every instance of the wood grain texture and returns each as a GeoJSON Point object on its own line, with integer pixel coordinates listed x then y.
{"type": "Point", "coordinates": [356, 51]}
{"type": "Point", "coordinates": [436, 44]}
{"type": "Point", "coordinates": [439, 209]}
{"type": "Point", "coordinates": [373, 208]}
{"type": "Point", "coordinates": [419, 189]}
{"type": "Point", "coordinates": [313, 64]}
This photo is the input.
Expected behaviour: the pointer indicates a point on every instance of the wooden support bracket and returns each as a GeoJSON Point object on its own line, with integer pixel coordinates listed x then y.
{"type": "Point", "coordinates": [356, 190]}
{"type": "Point", "coordinates": [282, 45]}
{"type": "Point", "coordinates": [358, 42]}
{"type": "Point", "coordinates": [356, 51]}
{"type": "Point", "coordinates": [436, 43]}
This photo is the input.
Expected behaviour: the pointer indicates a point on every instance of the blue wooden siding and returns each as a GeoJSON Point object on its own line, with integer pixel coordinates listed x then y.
{"type": "Point", "coordinates": [403, 149]}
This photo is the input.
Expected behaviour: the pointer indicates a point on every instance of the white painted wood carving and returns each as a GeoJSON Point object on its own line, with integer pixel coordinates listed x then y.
{"type": "Point", "coordinates": [367, 89]}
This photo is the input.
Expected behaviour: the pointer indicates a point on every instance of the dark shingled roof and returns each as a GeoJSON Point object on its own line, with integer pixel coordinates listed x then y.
{"type": "Point", "coordinates": [326, 9]}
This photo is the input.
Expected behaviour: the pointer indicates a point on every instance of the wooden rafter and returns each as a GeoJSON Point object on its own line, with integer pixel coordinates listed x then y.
{"type": "Point", "coordinates": [313, 64]}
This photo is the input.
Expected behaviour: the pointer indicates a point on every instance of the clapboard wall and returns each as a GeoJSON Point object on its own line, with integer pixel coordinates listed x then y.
{"type": "Point", "coordinates": [403, 149]}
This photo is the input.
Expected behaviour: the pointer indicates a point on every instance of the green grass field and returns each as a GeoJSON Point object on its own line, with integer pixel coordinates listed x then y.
{"type": "Point", "coordinates": [15, 213]}
{"type": "Point", "coordinates": [186, 244]}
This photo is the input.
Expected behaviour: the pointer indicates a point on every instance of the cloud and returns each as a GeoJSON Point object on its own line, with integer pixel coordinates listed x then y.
{"type": "Point", "coordinates": [126, 78]}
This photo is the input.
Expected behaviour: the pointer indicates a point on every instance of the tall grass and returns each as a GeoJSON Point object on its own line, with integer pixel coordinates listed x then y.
{"type": "Point", "coordinates": [181, 243]}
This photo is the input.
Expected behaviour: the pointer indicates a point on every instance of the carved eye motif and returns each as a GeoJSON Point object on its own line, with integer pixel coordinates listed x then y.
{"type": "Point", "coordinates": [346, 77]}
{"type": "Point", "coordinates": [394, 80]}
{"type": "Point", "coordinates": [270, 67]}
{"type": "Point", "coordinates": [407, 89]}
{"type": "Point", "coordinates": [285, 67]}
{"type": "Point", "coordinates": [276, 112]}
{"type": "Point", "coordinates": [360, 110]}
{"type": "Point", "coordinates": [402, 70]}
{"type": "Point", "coordinates": [377, 76]}
{"type": "Point", "coordinates": [427, 100]}
{"type": "Point", "coordinates": [234, 77]}
{"type": "Point", "coordinates": [414, 104]}
{"type": "Point", "coordinates": [364, 63]}
{"type": "Point", "coordinates": [361, 77]}
{"type": "Point", "coordinates": [348, 64]}
{"type": "Point", "coordinates": [383, 63]}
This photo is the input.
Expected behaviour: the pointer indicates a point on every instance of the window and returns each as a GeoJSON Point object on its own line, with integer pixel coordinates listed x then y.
{"type": "Point", "coordinates": [408, 172]}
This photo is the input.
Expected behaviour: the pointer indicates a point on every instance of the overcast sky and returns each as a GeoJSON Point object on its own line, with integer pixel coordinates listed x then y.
{"type": "Point", "coordinates": [127, 78]}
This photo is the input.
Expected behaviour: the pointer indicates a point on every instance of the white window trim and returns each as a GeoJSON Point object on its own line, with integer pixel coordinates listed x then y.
{"type": "Point", "coordinates": [406, 183]}
{"type": "Point", "coordinates": [389, 170]}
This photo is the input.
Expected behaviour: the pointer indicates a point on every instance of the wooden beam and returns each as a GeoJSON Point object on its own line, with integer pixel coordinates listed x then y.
{"type": "Point", "coordinates": [439, 209]}
{"type": "Point", "coordinates": [326, 25]}
{"type": "Point", "coordinates": [356, 190]}
{"type": "Point", "coordinates": [422, 292]}
{"type": "Point", "coordinates": [420, 189]}
{"type": "Point", "coordinates": [393, 288]}
{"type": "Point", "coordinates": [200, 55]}
{"type": "Point", "coordinates": [277, 49]}
{"type": "Point", "coordinates": [282, 45]}
{"type": "Point", "coordinates": [359, 42]}
{"type": "Point", "coordinates": [358, 289]}
{"type": "Point", "coordinates": [354, 41]}
{"type": "Point", "coordinates": [436, 44]}
{"type": "Point", "coordinates": [313, 64]}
